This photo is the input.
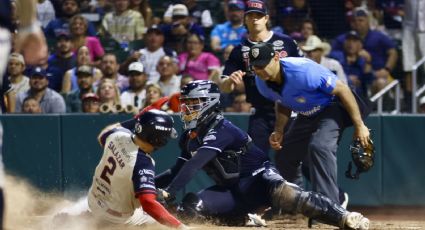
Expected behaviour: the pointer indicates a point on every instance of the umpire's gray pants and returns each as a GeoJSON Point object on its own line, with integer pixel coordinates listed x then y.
{"type": "Point", "coordinates": [313, 142]}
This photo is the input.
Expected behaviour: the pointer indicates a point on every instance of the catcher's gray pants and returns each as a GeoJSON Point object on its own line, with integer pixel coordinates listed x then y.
{"type": "Point", "coordinates": [312, 142]}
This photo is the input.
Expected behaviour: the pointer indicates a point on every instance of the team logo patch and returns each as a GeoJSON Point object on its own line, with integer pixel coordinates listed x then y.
{"type": "Point", "coordinates": [283, 54]}
{"type": "Point", "coordinates": [245, 48]}
{"type": "Point", "coordinates": [209, 138]}
{"type": "Point", "coordinates": [138, 128]}
{"type": "Point", "coordinates": [301, 99]}
{"type": "Point", "coordinates": [278, 43]}
{"type": "Point", "coordinates": [255, 52]}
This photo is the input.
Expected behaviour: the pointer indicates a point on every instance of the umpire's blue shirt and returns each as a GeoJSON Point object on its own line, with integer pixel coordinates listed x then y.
{"type": "Point", "coordinates": [306, 89]}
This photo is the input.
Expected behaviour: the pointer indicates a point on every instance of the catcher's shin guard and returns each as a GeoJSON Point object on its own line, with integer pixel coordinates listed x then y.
{"type": "Point", "coordinates": [292, 199]}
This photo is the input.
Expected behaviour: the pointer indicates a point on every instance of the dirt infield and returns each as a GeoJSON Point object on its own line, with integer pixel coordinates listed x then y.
{"type": "Point", "coordinates": [29, 209]}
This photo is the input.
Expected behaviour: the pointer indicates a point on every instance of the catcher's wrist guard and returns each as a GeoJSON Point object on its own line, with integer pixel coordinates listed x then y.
{"type": "Point", "coordinates": [363, 158]}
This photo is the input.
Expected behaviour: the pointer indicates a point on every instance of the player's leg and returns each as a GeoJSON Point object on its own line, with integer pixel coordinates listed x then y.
{"type": "Point", "coordinates": [294, 149]}
{"type": "Point", "coordinates": [140, 217]}
{"type": "Point", "coordinates": [321, 158]}
{"type": "Point", "coordinates": [293, 199]}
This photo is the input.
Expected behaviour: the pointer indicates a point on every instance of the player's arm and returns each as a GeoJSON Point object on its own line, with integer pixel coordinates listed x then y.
{"type": "Point", "coordinates": [349, 102]}
{"type": "Point", "coordinates": [164, 178]}
{"type": "Point", "coordinates": [108, 130]}
{"type": "Point", "coordinates": [157, 211]}
{"type": "Point", "coordinates": [190, 168]}
{"type": "Point", "coordinates": [231, 66]}
{"type": "Point", "coordinates": [282, 114]}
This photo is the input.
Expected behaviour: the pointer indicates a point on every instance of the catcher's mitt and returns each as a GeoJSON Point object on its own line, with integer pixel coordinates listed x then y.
{"type": "Point", "coordinates": [363, 158]}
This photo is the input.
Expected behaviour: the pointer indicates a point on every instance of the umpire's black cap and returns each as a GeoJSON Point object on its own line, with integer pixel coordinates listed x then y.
{"type": "Point", "coordinates": [261, 54]}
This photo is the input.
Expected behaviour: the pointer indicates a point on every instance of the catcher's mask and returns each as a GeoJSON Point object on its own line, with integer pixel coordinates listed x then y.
{"type": "Point", "coordinates": [363, 158]}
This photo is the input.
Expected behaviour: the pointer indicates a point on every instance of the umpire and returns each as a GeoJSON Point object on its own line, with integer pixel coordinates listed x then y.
{"type": "Point", "coordinates": [256, 19]}
{"type": "Point", "coordinates": [325, 107]}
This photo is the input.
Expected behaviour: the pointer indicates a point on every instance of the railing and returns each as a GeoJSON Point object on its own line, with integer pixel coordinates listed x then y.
{"type": "Point", "coordinates": [379, 96]}
{"type": "Point", "coordinates": [416, 93]}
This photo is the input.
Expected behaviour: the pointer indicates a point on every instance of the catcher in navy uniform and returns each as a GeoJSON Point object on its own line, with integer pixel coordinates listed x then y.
{"type": "Point", "coordinates": [245, 179]}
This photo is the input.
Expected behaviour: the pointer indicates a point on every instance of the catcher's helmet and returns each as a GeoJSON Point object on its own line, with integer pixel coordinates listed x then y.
{"type": "Point", "coordinates": [199, 103]}
{"type": "Point", "coordinates": [155, 127]}
{"type": "Point", "coordinates": [363, 158]}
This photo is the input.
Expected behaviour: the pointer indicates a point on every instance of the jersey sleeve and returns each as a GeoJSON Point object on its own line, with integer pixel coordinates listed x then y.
{"type": "Point", "coordinates": [143, 176]}
{"type": "Point", "coordinates": [218, 139]}
{"type": "Point", "coordinates": [320, 78]}
{"type": "Point", "coordinates": [108, 133]}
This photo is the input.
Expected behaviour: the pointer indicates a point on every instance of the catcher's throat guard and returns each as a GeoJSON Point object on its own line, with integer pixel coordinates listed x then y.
{"type": "Point", "coordinates": [363, 158]}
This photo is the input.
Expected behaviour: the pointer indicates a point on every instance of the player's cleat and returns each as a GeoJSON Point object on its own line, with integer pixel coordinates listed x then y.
{"type": "Point", "coordinates": [255, 221]}
{"type": "Point", "coordinates": [355, 220]}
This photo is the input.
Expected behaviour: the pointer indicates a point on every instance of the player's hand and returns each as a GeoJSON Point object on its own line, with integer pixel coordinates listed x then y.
{"type": "Point", "coordinates": [164, 197]}
{"type": "Point", "coordinates": [275, 140]}
{"type": "Point", "coordinates": [362, 134]}
{"type": "Point", "coordinates": [236, 77]}
{"type": "Point", "coordinates": [33, 47]}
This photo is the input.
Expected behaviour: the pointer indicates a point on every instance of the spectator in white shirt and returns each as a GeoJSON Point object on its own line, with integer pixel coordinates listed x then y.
{"type": "Point", "coordinates": [168, 81]}
{"type": "Point", "coordinates": [45, 12]}
{"type": "Point", "coordinates": [136, 94]}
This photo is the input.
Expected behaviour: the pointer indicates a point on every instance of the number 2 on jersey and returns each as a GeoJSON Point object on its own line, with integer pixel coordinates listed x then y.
{"type": "Point", "coordinates": [109, 169]}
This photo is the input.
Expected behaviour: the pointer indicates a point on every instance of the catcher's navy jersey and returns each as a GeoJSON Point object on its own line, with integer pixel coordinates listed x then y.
{"type": "Point", "coordinates": [239, 60]}
{"type": "Point", "coordinates": [223, 152]}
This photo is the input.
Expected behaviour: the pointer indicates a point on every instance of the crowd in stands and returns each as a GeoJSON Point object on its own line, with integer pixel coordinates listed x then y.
{"type": "Point", "coordinates": [113, 56]}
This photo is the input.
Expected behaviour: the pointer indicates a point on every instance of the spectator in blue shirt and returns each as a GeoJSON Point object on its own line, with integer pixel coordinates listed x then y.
{"type": "Point", "coordinates": [325, 107]}
{"type": "Point", "coordinates": [232, 31]}
{"type": "Point", "coordinates": [381, 47]}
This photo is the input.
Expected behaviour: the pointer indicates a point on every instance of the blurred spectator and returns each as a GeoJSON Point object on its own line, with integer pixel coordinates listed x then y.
{"type": "Point", "coordinates": [143, 7]}
{"type": "Point", "coordinates": [153, 93]}
{"type": "Point", "coordinates": [136, 94]}
{"type": "Point", "coordinates": [239, 104]}
{"type": "Point", "coordinates": [61, 25]}
{"type": "Point", "coordinates": [196, 63]}
{"type": "Point", "coordinates": [50, 101]}
{"type": "Point", "coordinates": [108, 93]}
{"type": "Point", "coordinates": [70, 78]}
{"type": "Point", "coordinates": [31, 105]}
{"type": "Point", "coordinates": [18, 81]}
{"type": "Point", "coordinates": [317, 50]}
{"type": "Point", "coordinates": [198, 14]}
{"type": "Point", "coordinates": [232, 31]}
{"type": "Point", "coordinates": [110, 67]}
{"type": "Point", "coordinates": [90, 103]}
{"type": "Point", "coordinates": [422, 105]}
{"type": "Point", "coordinates": [85, 85]}
{"type": "Point", "coordinates": [78, 27]}
{"type": "Point", "coordinates": [356, 63]}
{"type": "Point", "coordinates": [168, 81]}
{"type": "Point", "coordinates": [308, 28]}
{"type": "Point", "coordinates": [124, 25]}
{"type": "Point", "coordinates": [413, 40]}
{"type": "Point", "coordinates": [174, 101]}
{"type": "Point", "coordinates": [45, 12]}
{"type": "Point", "coordinates": [62, 60]}
{"type": "Point", "coordinates": [380, 47]}
{"type": "Point", "coordinates": [150, 55]}
{"type": "Point", "coordinates": [176, 32]}
{"type": "Point", "coordinates": [291, 16]}
{"type": "Point", "coordinates": [392, 14]}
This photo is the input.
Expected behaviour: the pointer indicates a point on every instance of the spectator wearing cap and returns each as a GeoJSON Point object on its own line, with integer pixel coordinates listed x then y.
{"type": "Point", "coordinates": [150, 55]}
{"type": "Point", "coordinates": [45, 12]}
{"type": "Point", "coordinates": [85, 82]}
{"type": "Point", "coordinates": [61, 61]}
{"type": "Point", "coordinates": [176, 32]}
{"type": "Point", "coordinates": [109, 66]}
{"type": "Point", "coordinates": [69, 82]}
{"type": "Point", "coordinates": [78, 29]}
{"type": "Point", "coordinates": [136, 93]}
{"type": "Point", "coordinates": [356, 63]}
{"type": "Point", "coordinates": [50, 101]}
{"type": "Point", "coordinates": [198, 14]}
{"type": "Point", "coordinates": [316, 50]}
{"type": "Point", "coordinates": [61, 25]}
{"type": "Point", "coordinates": [232, 31]}
{"type": "Point", "coordinates": [291, 15]}
{"type": "Point", "coordinates": [123, 24]}
{"type": "Point", "coordinates": [31, 105]}
{"type": "Point", "coordinates": [197, 63]}
{"type": "Point", "coordinates": [90, 103]}
{"type": "Point", "coordinates": [168, 81]}
{"type": "Point", "coordinates": [380, 47]}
